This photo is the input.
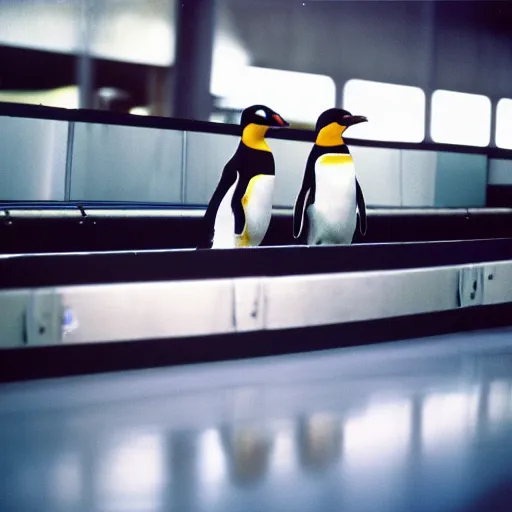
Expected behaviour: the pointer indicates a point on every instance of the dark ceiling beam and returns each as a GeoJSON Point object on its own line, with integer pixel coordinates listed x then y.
{"type": "Point", "coordinates": [195, 22]}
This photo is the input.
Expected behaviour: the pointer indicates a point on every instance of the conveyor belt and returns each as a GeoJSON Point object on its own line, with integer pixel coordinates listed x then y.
{"type": "Point", "coordinates": [418, 425]}
{"type": "Point", "coordinates": [65, 269]}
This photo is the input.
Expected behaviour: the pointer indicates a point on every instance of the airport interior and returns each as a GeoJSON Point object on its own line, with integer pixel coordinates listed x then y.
{"type": "Point", "coordinates": [145, 370]}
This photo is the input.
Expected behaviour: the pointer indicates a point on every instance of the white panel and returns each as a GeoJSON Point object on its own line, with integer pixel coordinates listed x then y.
{"type": "Point", "coordinates": [139, 31]}
{"type": "Point", "coordinates": [500, 172]}
{"type": "Point", "coordinates": [33, 156]}
{"type": "Point", "coordinates": [249, 304]}
{"type": "Point", "coordinates": [207, 154]}
{"type": "Point", "coordinates": [471, 286]}
{"type": "Point", "coordinates": [12, 317]}
{"type": "Point", "coordinates": [44, 317]}
{"type": "Point", "coordinates": [290, 158]}
{"type": "Point", "coordinates": [329, 299]}
{"type": "Point", "coordinates": [504, 124]}
{"type": "Point", "coordinates": [51, 26]}
{"type": "Point", "coordinates": [459, 118]}
{"type": "Point", "coordinates": [155, 310]}
{"type": "Point", "coordinates": [127, 312]}
{"type": "Point", "coordinates": [229, 56]}
{"type": "Point", "coordinates": [497, 279]}
{"type": "Point", "coordinates": [135, 31]}
{"type": "Point", "coordinates": [378, 172]}
{"type": "Point", "coordinates": [126, 163]}
{"type": "Point", "coordinates": [394, 112]}
{"type": "Point", "coordinates": [418, 177]}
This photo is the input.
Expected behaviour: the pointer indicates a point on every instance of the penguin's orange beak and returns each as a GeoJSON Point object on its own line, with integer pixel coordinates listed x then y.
{"type": "Point", "coordinates": [280, 122]}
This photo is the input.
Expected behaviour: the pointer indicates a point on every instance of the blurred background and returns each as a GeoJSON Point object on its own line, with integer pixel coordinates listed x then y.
{"type": "Point", "coordinates": [350, 430]}
{"type": "Point", "coordinates": [422, 72]}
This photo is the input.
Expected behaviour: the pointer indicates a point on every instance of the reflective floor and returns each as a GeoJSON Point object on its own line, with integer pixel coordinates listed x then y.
{"type": "Point", "coordinates": [422, 425]}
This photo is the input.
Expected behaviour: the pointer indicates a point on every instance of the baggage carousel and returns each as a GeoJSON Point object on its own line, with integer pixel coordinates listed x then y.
{"type": "Point", "coordinates": [140, 374]}
{"type": "Point", "coordinates": [371, 377]}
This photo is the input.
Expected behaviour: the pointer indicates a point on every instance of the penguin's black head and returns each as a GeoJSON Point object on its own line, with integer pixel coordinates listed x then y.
{"type": "Point", "coordinates": [339, 116]}
{"type": "Point", "coordinates": [263, 116]}
{"type": "Point", "coordinates": [332, 123]}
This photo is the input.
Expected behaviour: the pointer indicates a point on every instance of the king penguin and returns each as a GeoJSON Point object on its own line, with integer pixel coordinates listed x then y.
{"type": "Point", "coordinates": [240, 209]}
{"type": "Point", "coordinates": [330, 197]}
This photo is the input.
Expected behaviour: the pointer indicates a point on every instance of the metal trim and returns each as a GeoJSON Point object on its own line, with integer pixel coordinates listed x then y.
{"type": "Point", "coordinates": [36, 213]}
{"type": "Point", "coordinates": [184, 169]}
{"type": "Point", "coordinates": [69, 161]}
{"type": "Point", "coordinates": [132, 213]}
{"type": "Point", "coordinates": [198, 211]}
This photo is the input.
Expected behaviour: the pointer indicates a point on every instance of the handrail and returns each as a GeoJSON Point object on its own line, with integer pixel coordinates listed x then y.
{"type": "Point", "coordinates": [165, 123]}
{"type": "Point", "coordinates": [41, 209]}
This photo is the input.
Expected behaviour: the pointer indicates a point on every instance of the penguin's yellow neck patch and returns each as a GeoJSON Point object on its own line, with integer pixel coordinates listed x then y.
{"type": "Point", "coordinates": [335, 159]}
{"type": "Point", "coordinates": [330, 135]}
{"type": "Point", "coordinates": [253, 136]}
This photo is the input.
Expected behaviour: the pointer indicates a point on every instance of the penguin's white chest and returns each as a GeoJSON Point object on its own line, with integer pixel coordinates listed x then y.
{"type": "Point", "coordinates": [257, 205]}
{"type": "Point", "coordinates": [332, 217]}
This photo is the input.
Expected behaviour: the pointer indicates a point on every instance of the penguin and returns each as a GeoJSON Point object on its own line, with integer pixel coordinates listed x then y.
{"type": "Point", "coordinates": [330, 197]}
{"type": "Point", "coordinates": [239, 211]}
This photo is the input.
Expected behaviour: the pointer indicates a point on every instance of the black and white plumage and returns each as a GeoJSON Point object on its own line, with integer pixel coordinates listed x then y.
{"type": "Point", "coordinates": [240, 209]}
{"type": "Point", "coordinates": [330, 198]}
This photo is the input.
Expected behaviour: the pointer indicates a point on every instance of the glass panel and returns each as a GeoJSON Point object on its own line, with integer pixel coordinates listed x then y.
{"type": "Point", "coordinates": [500, 171]}
{"type": "Point", "coordinates": [290, 157]}
{"type": "Point", "coordinates": [378, 172]}
{"type": "Point", "coordinates": [206, 156]}
{"type": "Point", "coordinates": [33, 159]}
{"type": "Point", "coordinates": [418, 174]}
{"type": "Point", "coordinates": [461, 180]}
{"type": "Point", "coordinates": [124, 163]}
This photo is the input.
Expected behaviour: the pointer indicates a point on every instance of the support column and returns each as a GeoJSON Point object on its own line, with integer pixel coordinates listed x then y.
{"type": "Point", "coordinates": [340, 80]}
{"type": "Point", "coordinates": [195, 22]}
{"type": "Point", "coordinates": [494, 114]}
{"type": "Point", "coordinates": [85, 65]}
{"type": "Point", "coordinates": [430, 60]}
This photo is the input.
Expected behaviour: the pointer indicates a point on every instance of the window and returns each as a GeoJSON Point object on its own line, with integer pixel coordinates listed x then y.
{"type": "Point", "coordinates": [460, 118]}
{"type": "Point", "coordinates": [298, 97]}
{"type": "Point", "coordinates": [504, 124]}
{"type": "Point", "coordinates": [229, 60]}
{"type": "Point", "coordinates": [395, 112]}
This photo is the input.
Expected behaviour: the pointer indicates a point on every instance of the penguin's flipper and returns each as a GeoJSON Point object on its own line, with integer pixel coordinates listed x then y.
{"type": "Point", "coordinates": [304, 199]}
{"type": "Point", "coordinates": [237, 205]}
{"type": "Point", "coordinates": [299, 212]}
{"type": "Point", "coordinates": [227, 179]}
{"type": "Point", "coordinates": [361, 207]}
